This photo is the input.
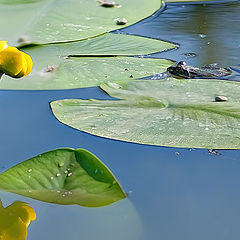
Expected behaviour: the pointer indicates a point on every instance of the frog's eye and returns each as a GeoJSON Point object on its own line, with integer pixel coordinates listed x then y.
{"type": "Point", "coordinates": [181, 64]}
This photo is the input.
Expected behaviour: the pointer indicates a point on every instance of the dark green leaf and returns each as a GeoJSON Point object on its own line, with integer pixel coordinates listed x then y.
{"type": "Point", "coordinates": [64, 176]}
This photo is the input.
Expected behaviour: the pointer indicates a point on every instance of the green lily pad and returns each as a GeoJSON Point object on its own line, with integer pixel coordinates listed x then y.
{"type": "Point", "coordinates": [64, 176]}
{"type": "Point", "coordinates": [45, 21]}
{"type": "Point", "coordinates": [170, 112]}
{"type": "Point", "coordinates": [182, 1]}
{"type": "Point", "coordinates": [93, 62]}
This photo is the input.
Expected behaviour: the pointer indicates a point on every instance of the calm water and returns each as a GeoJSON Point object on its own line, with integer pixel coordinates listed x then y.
{"type": "Point", "coordinates": [174, 193]}
{"type": "Point", "coordinates": [211, 31]}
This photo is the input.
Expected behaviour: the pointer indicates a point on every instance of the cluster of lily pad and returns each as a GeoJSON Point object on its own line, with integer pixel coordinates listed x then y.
{"type": "Point", "coordinates": [166, 112]}
{"type": "Point", "coordinates": [66, 60]}
{"type": "Point", "coordinates": [77, 50]}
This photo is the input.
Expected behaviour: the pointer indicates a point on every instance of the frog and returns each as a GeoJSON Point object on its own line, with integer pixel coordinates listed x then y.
{"type": "Point", "coordinates": [182, 70]}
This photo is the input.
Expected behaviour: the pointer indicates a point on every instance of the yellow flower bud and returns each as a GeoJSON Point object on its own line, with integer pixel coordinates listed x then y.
{"type": "Point", "coordinates": [14, 220]}
{"type": "Point", "coordinates": [13, 62]}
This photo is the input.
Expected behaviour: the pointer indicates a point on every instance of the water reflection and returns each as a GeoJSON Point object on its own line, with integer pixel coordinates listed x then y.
{"type": "Point", "coordinates": [209, 31]}
{"type": "Point", "coordinates": [14, 220]}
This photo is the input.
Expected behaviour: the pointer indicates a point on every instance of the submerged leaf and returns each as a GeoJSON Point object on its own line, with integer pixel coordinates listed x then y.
{"type": "Point", "coordinates": [75, 65]}
{"type": "Point", "coordinates": [64, 176]}
{"type": "Point", "coordinates": [170, 112]}
{"type": "Point", "coordinates": [61, 20]}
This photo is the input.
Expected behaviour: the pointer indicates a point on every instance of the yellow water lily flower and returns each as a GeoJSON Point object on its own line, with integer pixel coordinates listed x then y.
{"type": "Point", "coordinates": [14, 220]}
{"type": "Point", "coordinates": [13, 62]}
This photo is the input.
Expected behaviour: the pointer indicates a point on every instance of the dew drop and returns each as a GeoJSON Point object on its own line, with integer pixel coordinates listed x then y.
{"type": "Point", "coordinates": [58, 174]}
{"type": "Point", "coordinates": [29, 170]}
{"type": "Point", "coordinates": [69, 174]}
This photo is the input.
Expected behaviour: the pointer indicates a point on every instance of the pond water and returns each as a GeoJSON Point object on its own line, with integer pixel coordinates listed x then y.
{"type": "Point", "coordinates": [174, 193]}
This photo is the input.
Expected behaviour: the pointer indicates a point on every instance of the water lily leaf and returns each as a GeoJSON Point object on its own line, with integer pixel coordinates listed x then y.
{"type": "Point", "coordinates": [45, 21]}
{"type": "Point", "coordinates": [64, 176]}
{"type": "Point", "coordinates": [52, 70]}
{"type": "Point", "coordinates": [170, 112]}
{"type": "Point", "coordinates": [182, 1]}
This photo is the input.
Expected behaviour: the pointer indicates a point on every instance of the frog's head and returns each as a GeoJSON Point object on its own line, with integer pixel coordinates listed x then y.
{"type": "Point", "coordinates": [179, 70]}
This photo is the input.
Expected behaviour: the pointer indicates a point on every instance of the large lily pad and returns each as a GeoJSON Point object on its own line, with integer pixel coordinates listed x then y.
{"type": "Point", "coordinates": [44, 21]}
{"type": "Point", "coordinates": [64, 176]}
{"type": "Point", "coordinates": [182, 1]}
{"type": "Point", "coordinates": [179, 113]}
{"type": "Point", "coordinates": [52, 70]}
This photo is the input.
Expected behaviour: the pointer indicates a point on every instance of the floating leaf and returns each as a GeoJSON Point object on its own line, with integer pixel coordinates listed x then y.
{"type": "Point", "coordinates": [64, 176]}
{"type": "Point", "coordinates": [183, 1]}
{"type": "Point", "coordinates": [178, 113]}
{"type": "Point", "coordinates": [45, 21]}
{"type": "Point", "coordinates": [52, 70]}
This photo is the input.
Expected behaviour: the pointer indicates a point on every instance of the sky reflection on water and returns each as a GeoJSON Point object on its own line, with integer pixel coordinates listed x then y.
{"type": "Point", "coordinates": [211, 31]}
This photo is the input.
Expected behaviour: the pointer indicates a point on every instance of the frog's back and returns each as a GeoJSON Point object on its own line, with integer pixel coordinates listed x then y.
{"type": "Point", "coordinates": [183, 70]}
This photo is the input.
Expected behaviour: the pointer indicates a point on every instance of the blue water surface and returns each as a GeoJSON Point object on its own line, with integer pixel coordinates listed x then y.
{"type": "Point", "coordinates": [174, 193]}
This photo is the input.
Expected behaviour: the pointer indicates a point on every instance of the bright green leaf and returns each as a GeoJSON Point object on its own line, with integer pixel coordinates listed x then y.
{"type": "Point", "coordinates": [178, 113]}
{"type": "Point", "coordinates": [45, 21]}
{"type": "Point", "coordinates": [64, 176]}
{"type": "Point", "coordinates": [52, 70]}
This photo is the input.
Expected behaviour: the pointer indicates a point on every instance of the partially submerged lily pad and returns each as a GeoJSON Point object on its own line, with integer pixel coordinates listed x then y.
{"type": "Point", "coordinates": [170, 112]}
{"type": "Point", "coordinates": [64, 176]}
{"type": "Point", "coordinates": [61, 20]}
{"type": "Point", "coordinates": [90, 62]}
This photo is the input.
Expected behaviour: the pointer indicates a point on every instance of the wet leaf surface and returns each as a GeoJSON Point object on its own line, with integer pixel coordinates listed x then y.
{"type": "Point", "coordinates": [64, 176]}
{"type": "Point", "coordinates": [90, 62]}
{"type": "Point", "coordinates": [170, 112]}
{"type": "Point", "coordinates": [53, 23]}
